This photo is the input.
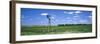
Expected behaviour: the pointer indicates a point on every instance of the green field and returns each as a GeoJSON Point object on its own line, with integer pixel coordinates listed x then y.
{"type": "Point", "coordinates": [41, 30]}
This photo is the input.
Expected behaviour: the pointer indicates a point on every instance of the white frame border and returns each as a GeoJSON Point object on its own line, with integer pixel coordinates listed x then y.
{"type": "Point", "coordinates": [40, 37]}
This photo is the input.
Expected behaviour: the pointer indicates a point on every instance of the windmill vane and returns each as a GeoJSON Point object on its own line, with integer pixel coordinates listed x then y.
{"type": "Point", "coordinates": [48, 16]}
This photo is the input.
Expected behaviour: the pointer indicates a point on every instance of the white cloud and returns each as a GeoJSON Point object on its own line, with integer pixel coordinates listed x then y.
{"type": "Point", "coordinates": [77, 12]}
{"type": "Point", "coordinates": [65, 12]}
{"type": "Point", "coordinates": [52, 17]}
{"type": "Point", "coordinates": [90, 16]}
{"type": "Point", "coordinates": [68, 12]}
{"type": "Point", "coordinates": [44, 14]}
{"type": "Point", "coordinates": [73, 12]}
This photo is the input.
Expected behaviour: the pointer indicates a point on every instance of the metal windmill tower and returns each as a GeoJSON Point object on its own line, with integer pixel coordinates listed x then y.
{"type": "Point", "coordinates": [49, 22]}
{"type": "Point", "coordinates": [49, 19]}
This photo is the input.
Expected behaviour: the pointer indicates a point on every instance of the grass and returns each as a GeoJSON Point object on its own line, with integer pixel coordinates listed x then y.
{"type": "Point", "coordinates": [40, 30]}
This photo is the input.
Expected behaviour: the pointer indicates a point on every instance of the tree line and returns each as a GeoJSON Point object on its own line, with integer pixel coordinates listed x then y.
{"type": "Point", "coordinates": [72, 24]}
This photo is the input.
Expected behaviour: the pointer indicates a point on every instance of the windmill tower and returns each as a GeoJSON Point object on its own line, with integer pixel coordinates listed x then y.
{"type": "Point", "coordinates": [49, 22]}
{"type": "Point", "coordinates": [49, 19]}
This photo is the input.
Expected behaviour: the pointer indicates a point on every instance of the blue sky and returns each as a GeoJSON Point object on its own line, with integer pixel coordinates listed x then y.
{"type": "Point", "coordinates": [33, 16]}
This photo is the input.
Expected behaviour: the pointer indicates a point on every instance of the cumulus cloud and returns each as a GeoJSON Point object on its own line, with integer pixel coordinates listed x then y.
{"type": "Point", "coordinates": [68, 12]}
{"type": "Point", "coordinates": [44, 14]}
{"type": "Point", "coordinates": [65, 12]}
{"type": "Point", "coordinates": [72, 12]}
{"type": "Point", "coordinates": [52, 17]}
{"type": "Point", "coordinates": [90, 16]}
{"type": "Point", "coordinates": [77, 12]}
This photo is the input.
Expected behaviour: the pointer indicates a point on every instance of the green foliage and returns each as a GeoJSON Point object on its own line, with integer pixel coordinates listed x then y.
{"type": "Point", "coordinates": [40, 30]}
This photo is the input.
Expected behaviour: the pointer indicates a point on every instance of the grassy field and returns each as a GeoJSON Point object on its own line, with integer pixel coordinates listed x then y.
{"type": "Point", "coordinates": [41, 30]}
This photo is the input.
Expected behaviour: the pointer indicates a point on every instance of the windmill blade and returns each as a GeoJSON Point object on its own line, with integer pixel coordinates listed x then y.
{"type": "Point", "coordinates": [48, 16]}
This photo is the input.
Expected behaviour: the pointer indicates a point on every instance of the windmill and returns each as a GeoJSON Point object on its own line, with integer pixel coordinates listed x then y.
{"type": "Point", "coordinates": [49, 20]}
